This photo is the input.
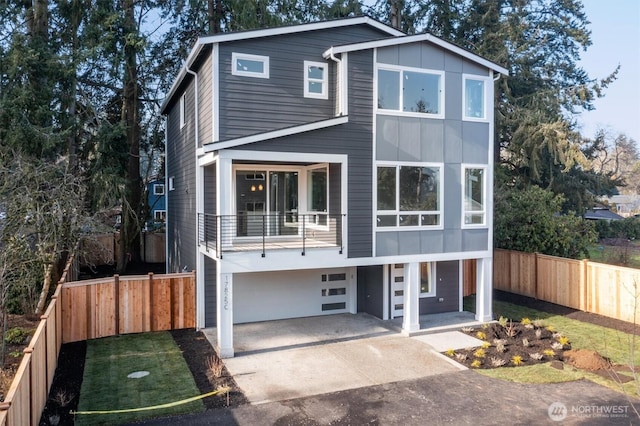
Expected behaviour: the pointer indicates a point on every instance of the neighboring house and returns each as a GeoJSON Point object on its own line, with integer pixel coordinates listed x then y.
{"type": "Point", "coordinates": [332, 167]}
{"type": "Point", "coordinates": [156, 200]}
{"type": "Point", "coordinates": [624, 205]}
{"type": "Point", "coordinates": [602, 213]}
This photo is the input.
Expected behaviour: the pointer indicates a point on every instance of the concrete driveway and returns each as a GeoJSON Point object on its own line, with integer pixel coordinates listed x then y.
{"type": "Point", "coordinates": [286, 359]}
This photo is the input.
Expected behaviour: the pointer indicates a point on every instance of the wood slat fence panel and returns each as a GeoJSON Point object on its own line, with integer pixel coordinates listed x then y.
{"type": "Point", "coordinates": [132, 304]}
{"type": "Point", "coordinates": [18, 399]}
{"type": "Point", "coordinates": [560, 280]}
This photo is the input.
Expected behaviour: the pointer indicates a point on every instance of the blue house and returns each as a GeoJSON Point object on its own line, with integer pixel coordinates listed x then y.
{"type": "Point", "coordinates": [156, 200]}
{"type": "Point", "coordinates": [331, 167]}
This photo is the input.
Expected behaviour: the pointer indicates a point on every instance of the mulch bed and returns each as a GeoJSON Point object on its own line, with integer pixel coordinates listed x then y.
{"type": "Point", "coordinates": [509, 345]}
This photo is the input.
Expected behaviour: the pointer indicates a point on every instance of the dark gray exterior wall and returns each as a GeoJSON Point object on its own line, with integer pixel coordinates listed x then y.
{"type": "Point", "coordinates": [447, 288]}
{"type": "Point", "coordinates": [451, 141]}
{"type": "Point", "coordinates": [210, 300]}
{"type": "Point", "coordinates": [353, 139]}
{"type": "Point", "coordinates": [205, 93]}
{"type": "Point", "coordinates": [251, 105]}
{"type": "Point", "coordinates": [181, 202]}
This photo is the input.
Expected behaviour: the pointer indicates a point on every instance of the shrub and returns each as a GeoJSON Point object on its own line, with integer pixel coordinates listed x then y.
{"type": "Point", "coordinates": [16, 335]}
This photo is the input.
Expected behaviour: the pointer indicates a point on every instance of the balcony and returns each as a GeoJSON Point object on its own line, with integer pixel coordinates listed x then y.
{"type": "Point", "coordinates": [257, 232]}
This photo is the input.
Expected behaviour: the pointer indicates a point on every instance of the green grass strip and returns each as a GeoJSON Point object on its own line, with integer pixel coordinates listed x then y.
{"type": "Point", "coordinates": [105, 386]}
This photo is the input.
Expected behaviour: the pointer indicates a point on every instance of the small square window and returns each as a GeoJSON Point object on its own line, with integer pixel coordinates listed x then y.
{"type": "Point", "coordinates": [249, 65]}
{"type": "Point", "coordinates": [158, 189]}
{"type": "Point", "coordinates": [171, 185]}
{"type": "Point", "coordinates": [316, 78]}
{"type": "Point", "coordinates": [160, 215]}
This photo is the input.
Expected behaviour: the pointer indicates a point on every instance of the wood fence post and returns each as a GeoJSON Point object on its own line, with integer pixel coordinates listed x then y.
{"type": "Point", "coordinates": [116, 291]}
{"type": "Point", "coordinates": [584, 285]}
{"type": "Point", "coordinates": [535, 275]}
{"type": "Point", "coordinates": [151, 302]}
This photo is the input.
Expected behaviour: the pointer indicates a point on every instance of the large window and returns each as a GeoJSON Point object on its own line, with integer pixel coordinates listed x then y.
{"type": "Point", "coordinates": [474, 196]}
{"type": "Point", "coordinates": [411, 91]}
{"type": "Point", "coordinates": [427, 279]}
{"type": "Point", "coordinates": [409, 195]}
{"type": "Point", "coordinates": [474, 98]}
{"type": "Point", "coordinates": [249, 65]}
{"type": "Point", "coordinates": [315, 80]}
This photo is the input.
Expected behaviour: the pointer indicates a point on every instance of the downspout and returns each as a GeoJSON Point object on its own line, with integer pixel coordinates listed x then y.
{"type": "Point", "coordinates": [200, 277]}
{"type": "Point", "coordinates": [339, 83]}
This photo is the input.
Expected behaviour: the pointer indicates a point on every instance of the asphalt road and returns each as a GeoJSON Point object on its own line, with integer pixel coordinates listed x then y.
{"type": "Point", "coordinates": [458, 398]}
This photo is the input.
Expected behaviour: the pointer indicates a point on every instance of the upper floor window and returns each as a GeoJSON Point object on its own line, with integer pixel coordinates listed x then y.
{"type": "Point", "coordinates": [474, 99]}
{"type": "Point", "coordinates": [409, 195]}
{"type": "Point", "coordinates": [474, 195]}
{"type": "Point", "coordinates": [158, 189]}
{"type": "Point", "coordinates": [249, 65]}
{"type": "Point", "coordinates": [316, 76]}
{"type": "Point", "coordinates": [183, 119]}
{"type": "Point", "coordinates": [411, 91]}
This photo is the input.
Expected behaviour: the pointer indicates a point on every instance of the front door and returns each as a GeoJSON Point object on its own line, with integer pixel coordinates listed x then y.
{"type": "Point", "coordinates": [396, 281]}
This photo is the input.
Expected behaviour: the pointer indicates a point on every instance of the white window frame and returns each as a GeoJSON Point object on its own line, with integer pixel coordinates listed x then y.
{"type": "Point", "coordinates": [160, 213]}
{"type": "Point", "coordinates": [324, 81]}
{"type": "Point", "coordinates": [485, 101]}
{"type": "Point", "coordinates": [399, 111]}
{"type": "Point", "coordinates": [158, 189]}
{"type": "Point", "coordinates": [463, 169]}
{"type": "Point", "coordinates": [309, 194]}
{"type": "Point", "coordinates": [432, 272]}
{"type": "Point", "coordinates": [182, 108]}
{"type": "Point", "coordinates": [397, 212]}
{"type": "Point", "coordinates": [235, 57]}
{"type": "Point", "coordinates": [171, 183]}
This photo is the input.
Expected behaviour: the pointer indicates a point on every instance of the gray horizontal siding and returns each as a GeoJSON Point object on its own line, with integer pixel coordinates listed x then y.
{"type": "Point", "coordinates": [353, 139]}
{"type": "Point", "coordinates": [205, 83]}
{"type": "Point", "coordinates": [255, 105]}
{"type": "Point", "coordinates": [180, 164]}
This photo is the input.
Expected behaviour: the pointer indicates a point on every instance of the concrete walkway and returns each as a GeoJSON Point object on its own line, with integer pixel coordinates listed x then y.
{"type": "Point", "coordinates": [279, 360]}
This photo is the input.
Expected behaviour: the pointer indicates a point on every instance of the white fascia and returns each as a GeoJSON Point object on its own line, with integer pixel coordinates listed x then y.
{"type": "Point", "coordinates": [231, 143]}
{"type": "Point", "coordinates": [406, 39]}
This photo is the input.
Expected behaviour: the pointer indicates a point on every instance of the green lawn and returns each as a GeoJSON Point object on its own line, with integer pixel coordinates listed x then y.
{"type": "Point", "coordinates": [618, 347]}
{"type": "Point", "coordinates": [105, 386]}
{"type": "Point", "coordinates": [625, 256]}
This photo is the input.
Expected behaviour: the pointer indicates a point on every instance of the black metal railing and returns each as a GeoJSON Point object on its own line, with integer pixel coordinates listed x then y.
{"type": "Point", "coordinates": [251, 231]}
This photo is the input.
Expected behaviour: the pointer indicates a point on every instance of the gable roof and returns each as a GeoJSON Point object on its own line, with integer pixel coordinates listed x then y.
{"type": "Point", "coordinates": [268, 32]}
{"type": "Point", "coordinates": [406, 39]}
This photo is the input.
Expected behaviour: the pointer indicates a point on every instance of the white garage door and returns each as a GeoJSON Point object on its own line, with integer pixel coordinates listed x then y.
{"type": "Point", "coordinates": [263, 296]}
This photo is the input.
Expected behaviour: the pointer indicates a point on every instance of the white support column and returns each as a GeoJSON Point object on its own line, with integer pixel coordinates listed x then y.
{"type": "Point", "coordinates": [385, 292]}
{"type": "Point", "coordinates": [411, 314]}
{"type": "Point", "coordinates": [484, 289]}
{"type": "Point", "coordinates": [224, 314]}
{"type": "Point", "coordinates": [224, 196]}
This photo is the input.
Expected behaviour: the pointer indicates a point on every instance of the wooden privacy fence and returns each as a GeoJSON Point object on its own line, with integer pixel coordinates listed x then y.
{"type": "Point", "coordinates": [89, 309]}
{"type": "Point", "coordinates": [127, 304]}
{"type": "Point", "coordinates": [612, 291]}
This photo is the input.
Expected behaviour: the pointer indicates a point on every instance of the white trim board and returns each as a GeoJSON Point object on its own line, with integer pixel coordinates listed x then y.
{"type": "Point", "coordinates": [414, 39]}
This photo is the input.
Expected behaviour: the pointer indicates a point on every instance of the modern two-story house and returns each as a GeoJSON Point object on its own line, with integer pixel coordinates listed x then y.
{"type": "Point", "coordinates": [331, 167]}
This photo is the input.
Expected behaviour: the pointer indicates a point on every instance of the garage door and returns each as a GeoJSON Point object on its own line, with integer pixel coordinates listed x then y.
{"type": "Point", "coordinates": [263, 296]}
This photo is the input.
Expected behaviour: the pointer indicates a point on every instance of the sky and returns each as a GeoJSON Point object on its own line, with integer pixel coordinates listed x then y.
{"type": "Point", "coordinates": [615, 36]}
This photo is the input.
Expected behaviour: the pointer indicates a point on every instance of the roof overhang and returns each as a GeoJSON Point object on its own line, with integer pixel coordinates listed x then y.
{"type": "Point", "coordinates": [407, 39]}
{"type": "Point", "coordinates": [252, 34]}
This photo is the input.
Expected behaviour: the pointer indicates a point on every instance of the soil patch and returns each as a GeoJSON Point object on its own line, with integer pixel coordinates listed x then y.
{"type": "Point", "coordinates": [511, 344]}
{"type": "Point", "coordinates": [200, 356]}
{"type": "Point", "coordinates": [64, 394]}
{"type": "Point", "coordinates": [586, 359]}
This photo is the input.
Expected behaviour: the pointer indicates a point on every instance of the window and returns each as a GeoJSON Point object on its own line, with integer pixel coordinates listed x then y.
{"type": "Point", "coordinates": [317, 190]}
{"type": "Point", "coordinates": [474, 196]}
{"type": "Point", "coordinates": [316, 76]}
{"type": "Point", "coordinates": [171, 186]}
{"type": "Point", "coordinates": [474, 99]}
{"type": "Point", "coordinates": [411, 91]}
{"type": "Point", "coordinates": [249, 65]}
{"type": "Point", "coordinates": [158, 189]}
{"type": "Point", "coordinates": [160, 215]}
{"type": "Point", "coordinates": [427, 279]}
{"type": "Point", "coordinates": [183, 119]}
{"type": "Point", "coordinates": [409, 195]}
